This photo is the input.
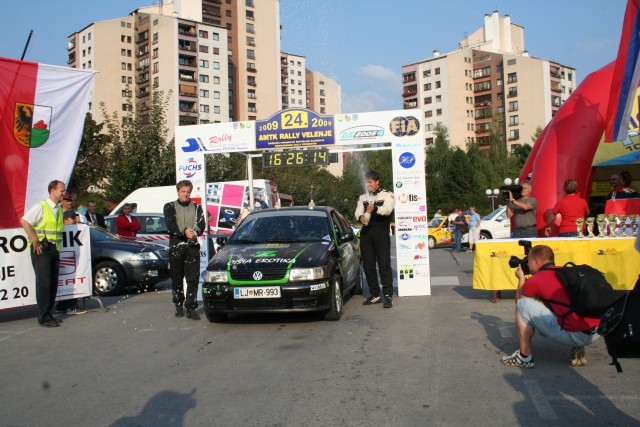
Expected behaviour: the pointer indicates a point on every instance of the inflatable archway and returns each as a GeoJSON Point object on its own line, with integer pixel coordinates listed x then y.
{"type": "Point", "coordinates": [567, 146]}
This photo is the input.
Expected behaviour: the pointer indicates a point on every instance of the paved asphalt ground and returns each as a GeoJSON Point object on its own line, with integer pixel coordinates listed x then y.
{"type": "Point", "coordinates": [428, 361]}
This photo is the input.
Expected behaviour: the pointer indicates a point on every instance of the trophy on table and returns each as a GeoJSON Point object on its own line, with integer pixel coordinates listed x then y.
{"type": "Point", "coordinates": [590, 222]}
{"type": "Point", "coordinates": [600, 221]}
{"type": "Point", "coordinates": [612, 224]}
{"type": "Point", "coordinates": [580, 224]}
{"type": "Point", "coordinates": [623, 225]}
{"type": "Point", "coordinates": [634, 225]}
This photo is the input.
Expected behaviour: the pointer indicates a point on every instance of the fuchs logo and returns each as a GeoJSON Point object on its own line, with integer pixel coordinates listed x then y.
{"type": "Point", "coordinates": [399, 184]}
{"type": "Point", "coordinates": [404, 126]}
{"type": "Point", "coordinates": [407, 160]}
{"type": "Point", "coordinates": [31, 124]}
{"type": "Point", "coordinates": [193, 144]}
{"type": "Point", "coordinates": [190, 168]}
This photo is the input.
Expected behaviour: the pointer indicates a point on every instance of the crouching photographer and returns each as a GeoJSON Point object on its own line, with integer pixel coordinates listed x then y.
{"type": "Point", "coordinates": [552, 319]}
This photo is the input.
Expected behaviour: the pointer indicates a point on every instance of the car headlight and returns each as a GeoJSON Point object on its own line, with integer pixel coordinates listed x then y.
{"type": "Point", "coordinates": [215, 276]}
{"type": "Point", "coordinates": [144, 256]}
{"type": "Point", "coordinates": [306, 274]}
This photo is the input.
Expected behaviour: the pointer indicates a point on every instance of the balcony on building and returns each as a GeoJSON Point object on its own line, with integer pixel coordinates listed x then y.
{"type": "Point", "coordinates": [187, 61]}
{"type": "Point", "coordinates": [72, 58]}
{"type": "Point", "coordinates": [187, 45]}
{"type": "Point", "coordinates": [512, 94]}
{"type": "Point", "coordinates": [187, 107]}
{"type": "Point", "coordinates": [188, 120]}
{"type": "Point", "coordinates": [187, 30]}
{"type": "Point", "coordinates": [187, 76]}
{"type": "Point", "coordinates": [188, 90]}
{"type": "Point", "coordinates": [409, 77]}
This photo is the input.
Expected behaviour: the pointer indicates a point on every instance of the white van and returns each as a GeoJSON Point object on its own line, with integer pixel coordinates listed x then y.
{"type": "Point", "coordinates": [153, 199]}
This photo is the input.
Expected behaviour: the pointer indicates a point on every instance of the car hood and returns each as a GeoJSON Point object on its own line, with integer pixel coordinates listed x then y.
{"type": "Point", "coordinates": [270, 255]}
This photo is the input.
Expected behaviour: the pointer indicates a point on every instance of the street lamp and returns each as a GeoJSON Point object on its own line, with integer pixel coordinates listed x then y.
{"type": "Point", "coordinates": [492, 194]}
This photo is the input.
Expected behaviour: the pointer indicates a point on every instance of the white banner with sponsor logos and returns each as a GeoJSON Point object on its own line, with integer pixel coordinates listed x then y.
{"type": "Point", "coordinates": [17, 278]}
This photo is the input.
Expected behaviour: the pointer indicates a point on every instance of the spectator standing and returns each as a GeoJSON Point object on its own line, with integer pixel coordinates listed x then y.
{"type": "Point", "coordinates": [70, 306]}
{"type": "Point", "coordinates": [438, 214]}
{"type": "Point", "coordinates": [374, 211]}
{"type": "Point", "coordinates": [618, 188]}
{"type": "Point", "coordinates": [458, 224]}
{"type": "Point", "coordinates": [94, 217]}
{"type": "Point", "coordinates": [524, 209]}
{"type": "Point", "coordinates": [474, 228]}
{"type": "Point", "coordinates": [537, 311]}
{"type": "Point", "coordinates": [44, 225]}
{"type": "Point", "coordinates": [570, 208]}
{"type": "Point", "coordinates": [127, 225]}
{"type": "Point", "coordinates": [185, 222]}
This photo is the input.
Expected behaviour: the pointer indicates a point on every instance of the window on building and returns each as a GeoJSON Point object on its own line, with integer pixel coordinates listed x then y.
{"type": "Point", "coordinates": [427, 86]}
{"type": "Point", "coordinates": [203, 78]}
{"type": "Point", "coordinates": [439, 112]}
{"type": "Point", "coordinates": [438, 85]}
{"type": "Point", "coordinates": [155, 67]}
{"type": "Point", "coordinates": [124, 79]}
{"type": "Point", "coordinates": [155, 38]}
{"type": "Point", "coordinates": [428, 100]}
{"type": "Point", "coordinates": [156, 81]}
{"type": "Point", "coordinates": [428, 114]}
{"type": "Point", "coordinates": [203, 34]}
{"type": "Point", "coordinates": [204, 108]}
{"type": "Point", "coordinates": [437, 71]}
{"type": "Point", "coordinates": [123, 65]}
{"type": "Point", "coordinates": [513, 91]}
{"type": "Point", "coordinates": [251, 54]}
{"type": "Point", "coordinates": [216, 80]}
{"type": "Point", "coordinates": [251, 41]}
{"type": "Point", "coordinates": [249, 15]}
{"type": "Point", "coordinates": [216, 95]}
{"type": "Point", "coordinates": [204, 93]}
{"type": "Point", "coordinates": [513, 106]}
{"type": "Point", "coordinates": [514, 134]}
{"type": "Point", "coordinates": [250, 28]}
{"type": "Point", "coordinates": [426, 73]}
{"type": "Point", "coordinates": [251, 106]}
{"type": "Point", "coordinates": [438, 98]}
{"type": "Point", "coordinates": [514, 120]}
{"type": "Point", "coordinates": [203, 63]}
{"type": "Point", "coordinates": [511, 62]}
{"type": "Point", "coordinates": [203, 48]}
{"type": "Point", "coordinates": [216, 65]}
{"type": "Point", "coordinates": [512, 78]}
{"type": "Point", "coordinates": [215, 36]}
{"type": "Point", "coordinates": [216, 109]}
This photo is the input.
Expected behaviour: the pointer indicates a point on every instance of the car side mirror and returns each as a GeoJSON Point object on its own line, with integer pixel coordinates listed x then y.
{"type": "Point", "coordinates": [346, 236]}
{"type": "Point", "coordinates": [499, 219]}
{"type": "Point", "coordinates": [221, 240]}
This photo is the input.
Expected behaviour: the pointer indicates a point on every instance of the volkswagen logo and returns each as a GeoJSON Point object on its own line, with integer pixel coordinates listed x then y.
{"type": "Point", "coordinates": [257, 275]}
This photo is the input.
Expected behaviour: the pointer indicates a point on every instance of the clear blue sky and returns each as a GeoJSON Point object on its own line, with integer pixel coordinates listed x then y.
{"type": "Point", "coordinates": [362, 48]}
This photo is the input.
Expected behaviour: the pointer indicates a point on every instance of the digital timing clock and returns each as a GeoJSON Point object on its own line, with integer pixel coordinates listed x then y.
{"type": "Point", "coordinates": [295, 158]}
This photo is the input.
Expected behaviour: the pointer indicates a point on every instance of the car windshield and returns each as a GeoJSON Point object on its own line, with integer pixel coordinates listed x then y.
{"type": "Point", "coordinates": [288, 228]}
{"type": "Point", "coordinates": [492, 214]}
{"type": "Point", "coordinates": [435, 222]}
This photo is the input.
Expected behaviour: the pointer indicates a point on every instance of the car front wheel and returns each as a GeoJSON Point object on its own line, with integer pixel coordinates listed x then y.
{"type": "Point", "coordinates": [108, 279]}
{"type": "Point", "coordinates": [432, 242]}
{"type": "Point", "coordinates": [335, 312]}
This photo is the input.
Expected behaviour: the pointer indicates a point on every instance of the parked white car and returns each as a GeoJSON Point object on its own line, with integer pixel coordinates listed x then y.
{"type": "Point", "coordinates": [495, 225]}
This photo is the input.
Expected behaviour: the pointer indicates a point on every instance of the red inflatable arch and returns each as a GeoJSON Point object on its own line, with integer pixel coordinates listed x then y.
{"type": "Point", "coordinates": [566, 147]}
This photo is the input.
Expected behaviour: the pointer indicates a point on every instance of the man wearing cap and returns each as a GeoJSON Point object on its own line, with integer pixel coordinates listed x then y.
{"type": "Point", "coordinates": [44, 225]}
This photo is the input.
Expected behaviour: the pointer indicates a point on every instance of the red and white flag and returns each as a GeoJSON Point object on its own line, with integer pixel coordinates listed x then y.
{"type": "Point", "coordinates": [42, 112]}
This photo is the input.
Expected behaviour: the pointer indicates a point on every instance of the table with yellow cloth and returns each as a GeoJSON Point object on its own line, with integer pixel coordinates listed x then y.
{"type": "Point", "coordinates": [616, 257]}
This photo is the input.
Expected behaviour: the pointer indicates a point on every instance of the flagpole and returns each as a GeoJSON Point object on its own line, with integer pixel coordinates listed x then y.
{"type": "Point", "coordinates": [26, 45]}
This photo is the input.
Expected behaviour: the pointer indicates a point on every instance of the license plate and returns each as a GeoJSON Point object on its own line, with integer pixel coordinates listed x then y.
{"type": "Point", "coordinates": [257, 292]}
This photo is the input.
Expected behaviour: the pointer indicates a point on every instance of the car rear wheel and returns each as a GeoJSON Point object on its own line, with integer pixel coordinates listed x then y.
{"type": "Point", "coordinates": [432, 242]}
{"type": "Point", "coordinates": [337, 303]}
{"type": "Point", "coordinates": [108, 279]}
{"type": "Point", "coordinates": [213, 316]}
{"type": "Point", "coordinates": [484, 235]}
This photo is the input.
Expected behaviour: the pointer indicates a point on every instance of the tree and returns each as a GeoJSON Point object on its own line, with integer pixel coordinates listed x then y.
{"type": "Point", "coordinates": [91, 167]}
{"type": "Point", "coordinates": [139, 153]}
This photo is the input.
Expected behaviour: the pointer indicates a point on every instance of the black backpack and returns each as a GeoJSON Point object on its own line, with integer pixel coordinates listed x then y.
{"type": "Point", "coordinates": [590, 293]}
{"type": "Point", "coordinates": [620, 326]}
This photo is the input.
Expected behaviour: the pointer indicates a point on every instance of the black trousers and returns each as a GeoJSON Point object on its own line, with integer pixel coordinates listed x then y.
{"type": "Point", "coordinates": [185, 264]}
{"type": "Point", "coordinates": [46, 266]}
{"type": "Point", "coordinates": [375, 248]}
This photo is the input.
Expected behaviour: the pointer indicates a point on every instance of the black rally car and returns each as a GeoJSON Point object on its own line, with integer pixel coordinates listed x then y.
{"type": "Point", "coordinates": [291, 259]}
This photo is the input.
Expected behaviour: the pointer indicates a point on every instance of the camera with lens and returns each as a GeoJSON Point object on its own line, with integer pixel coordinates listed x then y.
{"type": "Point", "coordinates": [514, 261]}
{"type": "Point", "coordinates": [516, 190]}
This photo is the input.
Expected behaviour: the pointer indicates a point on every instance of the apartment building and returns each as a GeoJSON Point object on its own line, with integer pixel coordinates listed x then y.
{"type": "Point", "coordinates": [489, 85]}
{"type": "Point", "coordinates": [293, 80]}
{"type": "Point", "coordinates": [323, 93]}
